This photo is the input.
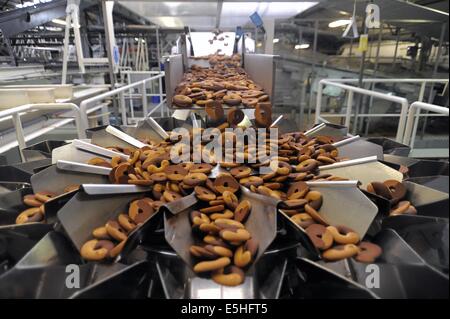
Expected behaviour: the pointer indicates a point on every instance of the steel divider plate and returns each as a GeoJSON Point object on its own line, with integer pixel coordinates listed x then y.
{"type": "Point", "coordinates": [178, 280]}
{"type": "Point", "coordinates": [364, 170]}
{"type": "Point", "coordinates": [55, 180]}
{"type": "Point", "coordinates": [6, 187]}
{"type": "Point", "coordinates": [303, 237]}
{"type": "Point", "coordinates": [261, 223]}
{"type": "Point", "coordinates": [121, 281]}
{"type": "Point", "coordinates": [420, 195]}
{"type": "Point", "coordinates": [438, 182]}
{"type": "Point", "coordinates": [397, 265]}
{"type": "Point", "coordinates": [148, 129]}
{"type": "Point", "coordinates": [428, 236]}
{"type": "Point", "coordinates": [10, 173]}
{"type": "Point", "coordinates": [360, 148]}
{"type": "Point", "coordinates": [400, 160]}
{"type": "Point", "coordinates": [53, 249]}
{"type": "Point", "coordinates": [328, 129]}
{"type": "Point", "coordinates": [12, 202]}
{"type": "Point", "coordinates": [101, 137]}
{"type": "Point", "coordinates": [178, 233]}
{"type": "Point", "coordinates": [70, 153]}
{"type": "Point", "coordinates": [83, 213]}
{"type": "Point", "coordinates": [17, 240]}
{"type": "Point", "coordinates": [428, 168]}
{"type": "Point", "coordinates": [345, 204]}
{"type": "Point", "coordinates": [321, 282]}
{"type": "Point", "coordinates": [391, 146]}
{"type": "Point", "coordinates": [124, 136]}
{"type": "Point", "coordinates": [45, 282]}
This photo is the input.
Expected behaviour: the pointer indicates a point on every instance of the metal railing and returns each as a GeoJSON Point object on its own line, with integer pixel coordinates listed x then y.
{"type": "Point", "coordinates": [351, 91]}
{"type": "Point", "coordinates": [16, 112]}
{"type": "Point", "coordinates": [402, 122]}
{"type": "Point", "coordinates": [128, 73]}
{"type": "Point", "coordinates": [416, 107]}
{"type": "Point", "coordinates": [120, 92]}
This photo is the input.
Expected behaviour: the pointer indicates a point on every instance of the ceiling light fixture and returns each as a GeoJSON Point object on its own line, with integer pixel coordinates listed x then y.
{"type": "Point", "coordinates": [276, 40]}
{"type": "Point", "coordinates": [302, 46]}
{"type": "Point", "coordinates": [339, 23]}
{"type": "Point", "coordinates": [59, 21]}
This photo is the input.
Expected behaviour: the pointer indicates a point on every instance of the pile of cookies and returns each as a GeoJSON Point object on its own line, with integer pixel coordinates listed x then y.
{"type": "Point", "coordinates": [395, 192]}
{"type": "Point", "coordinates": [224, 81]}
{"type": "Point", "coordinates": [340, 242]}
{"type": "Point", "coordinates": [303, 206]}
{"type": "Point", "coordinates": [226, 248]}
{"type": "Point", "coordinates": [110, 239]}
{"type": "Point", "coordinates": [36, 211]}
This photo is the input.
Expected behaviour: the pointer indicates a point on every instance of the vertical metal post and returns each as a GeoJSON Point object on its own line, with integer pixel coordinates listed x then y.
{"type": "Point", "coordinates": [417, 115]}
{"type": "Point", "coordinates": [256, 39]}
{"type": "Point", "coordinates": [105, 116]}
{"type": "Point", "coordinates": [19, 134]}
{"type": "Point", "coordinates": [77, 36]}
{"type": "Point", "coordinates": [319, 102]}
{"type": "Point", "coordinates": [359, 102]}
{"type": "Point", "coordinates": [144, 98]}
{"type": "Point", "coordinates": [66, 50]}
{"type": "Point", "coordinates": [160, 86]}
{"type": "Point", "coordinates": [123, 110]}
{"type": "Point", "coordinates": [158, 49]}
{"type": "Point", "coordinates": [396, 47]}
{"type": "Point", "coordinates": [109, 53]}
{"type": "Point", "coordinates": [130, 93]}
{"type": "Point", "coordinates": [313, 73]}
{"type": "Point", "coordinates": [435, 70]}
{"type": "Point", "coordinates": [349, 108]}
{"type": "Point", "coordinates": [377, 61]}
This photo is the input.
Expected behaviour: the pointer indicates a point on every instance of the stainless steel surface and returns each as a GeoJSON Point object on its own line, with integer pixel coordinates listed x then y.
{"type": "Point", "coordinates": [84, 212]}
{"type": "Point", "coordinates": [163, 134]}
{"type": "Point", "coordinates": [261, 69]}
{"type": "Point", "coordinates": [108, 189]}
{"type": "Point", "coordinates": [365, 170]}
{"type": "Point", "coordinates": [70, 153]}
{"type": "Point", "coordinates": [345, 204]}
{"type": "Point", "coordinates": [100, 136]}
{"type": "Point", "coordinates": [421, 195]}
{"type": "Point", "coordinates": [359, 148]}
{"type": "Point", "coordinates": [262, 223]}
{"type": "Point", "coordinates": [55, 180]}
{"type": "Point", "coordinates": [125, 137]}
{"type": "Point", "coordinates": [85, 146]}
{"type": "Point", "coordinates": [328, 129]}
{"type": "Point", "coordinates": [173, 67]}
{"type": "Point", "coordinates": [82, 168]}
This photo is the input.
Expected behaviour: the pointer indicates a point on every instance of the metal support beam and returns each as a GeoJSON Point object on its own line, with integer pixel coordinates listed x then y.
{"type": "Point", "coordinates": [435, 71]}
{"type": "Point", "coordinates": [19, 20]}
{"type": "Point", "coordinates": [219, 13]}
{"type": "Point", "coordinates": [109, 45]}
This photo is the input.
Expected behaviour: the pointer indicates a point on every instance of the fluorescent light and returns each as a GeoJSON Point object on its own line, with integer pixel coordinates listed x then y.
{"type": "Point", "coordinates": [343, 13]}
{"type": "Point", "coordinates": [339, 23]}
{"type": "Point", "coordinates": [276, 40]}
{"type": "Point", "coordinates": [302, 46]}
{"type": "Point", "coordinates": [59, 21]}
{"type": "Point", "coordinates": [259, 44]}
{"type": "Point", "coordinates": [31, 3]}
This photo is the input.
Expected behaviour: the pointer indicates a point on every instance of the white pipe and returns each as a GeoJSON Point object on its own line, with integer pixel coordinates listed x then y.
{"type": "Point", "coordinates": [16, 112]}
{"type": "Point", "coordinates": [88, 102]}
{"type": "Point", "coordinates": [402, 101]}
{"type": "Point", "coordinates": [412, 113]}
{"type": "Point", "coordinates": [390, 80]}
